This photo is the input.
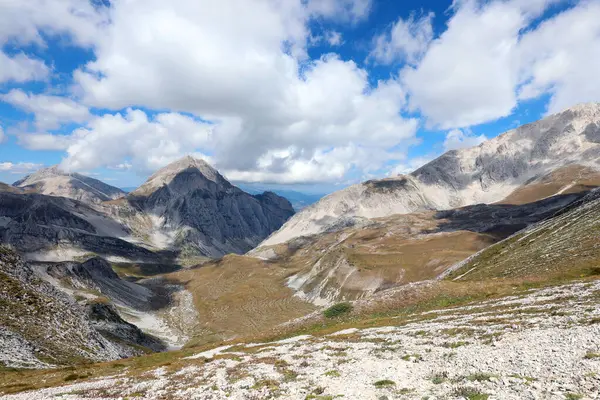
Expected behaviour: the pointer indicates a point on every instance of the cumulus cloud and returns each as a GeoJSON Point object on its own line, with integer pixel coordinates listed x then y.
{"type": "Point", "coordinates": [462, 139]}
{"type": "Point", "coordinates": [468, 75]}
{"type": "Point", "coordinates": [490, 57]}
{"type": "Point", "coordinates": [19, 168]}
{"type": "Point", "coordinates": [147, 142]}
{"type": "Point", "coordinates": [407, 40]}
{"type": "Point", "coordinates": [21, 68]}
{"type": "Point", "coordinates": [410, 165]}
{"type": "Point", "coordinates": [344, 10]}
{"type": "Point", "coordinates": [50, 111]}
{"type": "Point", "coordinates": [25, 22]}
{"type": "Point", "coordinates": [562, 57]}
{"type": "Point", "coordinates": [333, 38]}
{"type": "Point", "coordinates": [263, 98]}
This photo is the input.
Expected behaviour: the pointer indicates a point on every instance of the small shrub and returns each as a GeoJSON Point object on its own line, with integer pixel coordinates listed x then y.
{"type": "Point", "coordinates": [573, 396]}
{"type": "Point", "coordinates": [332, 373]}
{"type": "Point", "coordinates": [337, 310]}
{"type": "Point", "coordinates": [384, 383]}
{"type": "Point", "coordinates": [71, 377]}
{"type": "Point", "coordinates": [480, 377]}
{"type": "Point", "coordinates": [591, 356]}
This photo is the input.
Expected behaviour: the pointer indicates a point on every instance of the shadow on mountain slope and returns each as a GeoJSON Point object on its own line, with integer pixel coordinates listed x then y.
{"type": "Point", "coordinates": [502, 220]}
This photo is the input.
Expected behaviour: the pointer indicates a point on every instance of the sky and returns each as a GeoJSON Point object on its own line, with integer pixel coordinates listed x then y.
{"type": "Point", "coordinates": [308, 95]}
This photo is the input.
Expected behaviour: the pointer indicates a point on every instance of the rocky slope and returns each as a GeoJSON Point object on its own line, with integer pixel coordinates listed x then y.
{"type": "Point", "coordinates": [196, 210]}
{"type": "Point", "coordinates": [484, 174]}
{"type": "Point", "coordinates": [53, 181]}
{"type": "Point", "coordinates": [41, 326]}
{"type": "Point", "coordinates": [543, 344]}
{"type": "Point", "coordinates": [357, 261]}
{"type": "Point", "coordinates": [58, 228]}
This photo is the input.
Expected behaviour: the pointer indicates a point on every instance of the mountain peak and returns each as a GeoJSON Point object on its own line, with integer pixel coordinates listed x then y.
{"type": "Point", "coordinates": [167, 174]}
{"type": "Point", "coordinates": [54, 181]}
{"type": "Point", "coordinates": [41, 174]}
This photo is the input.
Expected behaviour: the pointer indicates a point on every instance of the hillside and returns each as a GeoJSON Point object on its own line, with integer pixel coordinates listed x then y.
{"type": "Point", "coordinates": [563, 245]}
{"type": "Point", "coordinates": [40, 326]}
{"type": "Point", "coordinates": [487, 173]}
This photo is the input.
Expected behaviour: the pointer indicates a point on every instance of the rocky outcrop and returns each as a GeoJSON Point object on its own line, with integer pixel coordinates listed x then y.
{"type": "Point", "coordinates": [42, 326]}
{"type": "Point", "coordinates": [484, 174]}
{"type": "Point", "coordinates": [53, 181]}
{"type": "Point", "coordinates": [202, 213]}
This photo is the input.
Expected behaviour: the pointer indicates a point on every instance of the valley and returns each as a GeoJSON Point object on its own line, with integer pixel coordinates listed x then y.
{"type": "Point", "coordinates": [475, 276]}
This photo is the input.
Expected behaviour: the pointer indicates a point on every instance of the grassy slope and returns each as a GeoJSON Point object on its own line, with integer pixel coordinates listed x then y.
{"type": "Point", "coordinates": [239, 296]}
{"type": "Point", "coordinates": [566, 245]}
{"type": "Point", "coordinates": [569, 179]}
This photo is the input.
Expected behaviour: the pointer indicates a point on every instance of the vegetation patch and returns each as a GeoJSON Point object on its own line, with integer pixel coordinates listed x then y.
{"type": "Point", "coordinates": [384, 383]}
{"type": "Point", "coordinates": [337, 310]}
{"type": "Point", "coordinates": [469, 393]}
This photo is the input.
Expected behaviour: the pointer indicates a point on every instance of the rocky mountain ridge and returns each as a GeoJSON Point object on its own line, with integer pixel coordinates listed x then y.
{"type": "Point", "coordinates": [483, 174]}
{"type": "Point", "coordinates": [53, 181]}
{"type": "Point", "coordinates": [198, 211]}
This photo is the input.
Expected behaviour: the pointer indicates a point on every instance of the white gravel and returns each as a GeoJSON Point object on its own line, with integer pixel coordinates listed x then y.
{"type": "Point", "coordinates": [539, 346]}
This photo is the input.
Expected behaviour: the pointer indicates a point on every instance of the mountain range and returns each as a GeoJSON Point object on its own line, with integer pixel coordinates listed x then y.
{"type": "Point", "coordinates": [186, 208]}
{"type": "Point", "coordinates": [189, 259]}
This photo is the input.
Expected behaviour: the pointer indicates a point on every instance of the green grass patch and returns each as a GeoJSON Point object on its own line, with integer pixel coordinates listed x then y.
{"type": "Point", "coordinates": [337, 310]}
{"type": "Point", "coordinates": [384, 383]}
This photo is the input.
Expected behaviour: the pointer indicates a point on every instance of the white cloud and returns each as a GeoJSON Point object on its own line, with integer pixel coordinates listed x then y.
{"type": "Point", "coordinates": [407, 40]}
{"type": "Point", "coordinates": [468, 75]}
{"type": "Point", "coordinates": [490, 57]}
{"type": "Point", "coordinates": [562, 57]}
{"type": "Point", "coordinates": [227, 65]}
{"type": "Point", "coordinates": [77, 20]}
{"type": "Point", "coordinates": [333, 38]}
{"type": "Point", "coordinates": [23, 22]}
{"type": "Point", "coordinates": [43, 141]}
{"type": "Point", "coordinates": [50, 111]}
{"type": "Point", "coordinates": [21, 68]}
{"type": "Point", "coordinates": [148, 142]}
{"type": "Point", "coordinates": [19, 168]}
{"type": "Point", "coordinates": [1, 134]}
{"type": "Point", "coordinates": [461, 139]}
{"type": "Point", "coordinates": [344, 10]}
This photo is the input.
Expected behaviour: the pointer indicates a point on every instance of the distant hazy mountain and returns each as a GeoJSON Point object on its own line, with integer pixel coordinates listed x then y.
{"type": "Point", "coordinates": [53, 181]}
{"type": "Point", "coordinates": [484, 174]}
{"type": "Point", "coordinates": [299, 200]}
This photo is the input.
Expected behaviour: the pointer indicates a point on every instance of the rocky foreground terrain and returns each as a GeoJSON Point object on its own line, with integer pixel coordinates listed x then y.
{"type": "Point", "coordinates": [540, 344]}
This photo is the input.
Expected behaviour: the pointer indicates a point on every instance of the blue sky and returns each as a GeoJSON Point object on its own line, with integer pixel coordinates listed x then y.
{"type": "Point", "coordinates": [304, 94]}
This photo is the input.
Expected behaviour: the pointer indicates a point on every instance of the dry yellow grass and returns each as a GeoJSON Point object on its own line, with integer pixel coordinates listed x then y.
{"type": "Point", "coordinates": [239, 296]}
{"type": "Point", "coordinates": [569, 179]}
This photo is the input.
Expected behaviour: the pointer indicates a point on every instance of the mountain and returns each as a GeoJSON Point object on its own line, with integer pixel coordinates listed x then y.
{"type": "Point", "coordinates": [487, 173]}
{"type": "Point", "coordinates": [53, 181]}
{"type": "Point", "coordinates": [196, 210]}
